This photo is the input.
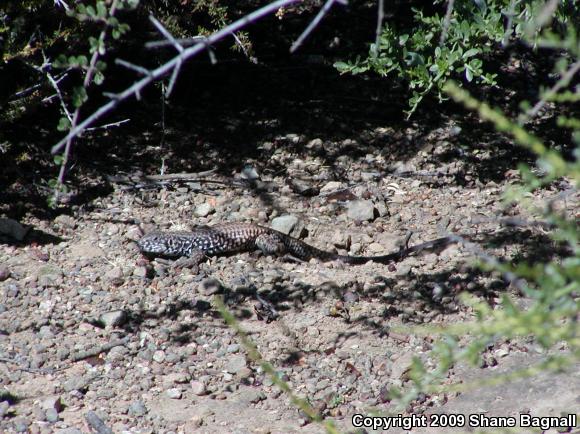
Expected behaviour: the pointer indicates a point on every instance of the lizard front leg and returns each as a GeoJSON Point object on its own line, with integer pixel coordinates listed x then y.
{"type": "Point", "coordinates": [191, 261]}
{"type": "Point", "coordinates": [270, 244]}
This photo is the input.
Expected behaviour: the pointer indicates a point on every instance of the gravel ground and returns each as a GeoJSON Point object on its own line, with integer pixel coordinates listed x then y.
{"type": "Point", "coordinates": [91, 330]}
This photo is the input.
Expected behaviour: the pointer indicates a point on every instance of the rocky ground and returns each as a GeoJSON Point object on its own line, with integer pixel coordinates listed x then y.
{"type": "Point", "coordinates": [90, 332]}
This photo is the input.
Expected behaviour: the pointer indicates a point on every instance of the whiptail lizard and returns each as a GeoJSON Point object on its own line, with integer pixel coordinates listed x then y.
{"type": "Point", "coordinates": [242, 237]}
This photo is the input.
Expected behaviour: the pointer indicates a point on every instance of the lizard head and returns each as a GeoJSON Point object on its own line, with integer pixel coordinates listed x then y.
{"type": "Point", "coordinates": [157, 244]}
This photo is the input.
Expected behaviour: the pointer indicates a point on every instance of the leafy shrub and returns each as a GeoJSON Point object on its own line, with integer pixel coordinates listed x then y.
{"type": "Point", "coordinates": [434, 48]}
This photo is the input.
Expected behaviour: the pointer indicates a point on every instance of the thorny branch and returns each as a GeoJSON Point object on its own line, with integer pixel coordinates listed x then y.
{"type": "Point", "coordinates": [44, 69]}
{"type": "Point", "coordinates": [67, 143]}
{"type": "Point", "coordinates": [327, 6]}
{"type": "Point", "coordinates": [187, 53]}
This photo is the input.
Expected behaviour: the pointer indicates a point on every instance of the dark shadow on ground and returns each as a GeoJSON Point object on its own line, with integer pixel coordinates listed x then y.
{"type": "Point", "coordinates": [33, 237]}
{"type": "Point", "coordinates": [235, 113]}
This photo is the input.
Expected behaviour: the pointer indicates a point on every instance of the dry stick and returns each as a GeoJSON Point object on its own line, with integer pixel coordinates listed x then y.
{"type": "Point", "coordinates": [563, 82]}
{"type": "Point", "coordinates": [98, 350]}
{"type": "Point", "coordinates": [180, 176]}
{"type": "Point", "coordinates": [136, 68]}
{"type": "Point", "coordinates": [25, 92]}
{"type": "Point", "coordinates": [111, 125]}
{"type": "Point", "coordinates": [545, 16]}
{"type": "Point", "coordinates": [166, 34]}
{"type": "Point", "coordinates": [314, 23]}
{"type": "Point", "coordinates": [164, 69]}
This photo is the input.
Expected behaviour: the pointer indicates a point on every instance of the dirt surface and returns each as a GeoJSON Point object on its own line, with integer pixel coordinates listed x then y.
{"type": "Point", "coordinates": [88, 325]}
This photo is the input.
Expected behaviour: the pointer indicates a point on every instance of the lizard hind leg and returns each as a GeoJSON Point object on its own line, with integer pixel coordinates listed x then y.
{"type": "Point", "coordinates": [270, 244]}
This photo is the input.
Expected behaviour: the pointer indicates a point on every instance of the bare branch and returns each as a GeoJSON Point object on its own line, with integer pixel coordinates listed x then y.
{"type": "Point", "coordinates": [45, 68]}
{"type": "Point", "coordinates": [24, 93]}
{"type": "Point", "coordinates": [184, 42]}
{"type": "Point", "coordinates": [380, 18]}
{"type": "Point", "coordinates": [164, 69]}
{"type": "Point", "coordinates": [107, 126]}
{"type": "Point", "coordinates": [240, 44]}
{"type": "Point", "coordinates": [446, 22]}
{"type": "Point", "coordinates": [133, 67]}
{"type": "Point", "coordinates": [327, 6]}
{"type": "Point", "coordinates": [173, 79]}
{"type": "Point", "coordinates": [166, 33]}
{"type": "Point", "coordinates": [563, 82]}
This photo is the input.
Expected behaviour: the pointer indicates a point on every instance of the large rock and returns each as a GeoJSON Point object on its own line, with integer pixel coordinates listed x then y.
{"type": "Point", "coordinates": [361, 210]}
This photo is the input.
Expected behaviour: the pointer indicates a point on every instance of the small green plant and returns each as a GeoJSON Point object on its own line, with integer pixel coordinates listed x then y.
{"type": "Point", "coordinates": [100, 16]}
{"type": "Point", "coordinates": [437, 47]}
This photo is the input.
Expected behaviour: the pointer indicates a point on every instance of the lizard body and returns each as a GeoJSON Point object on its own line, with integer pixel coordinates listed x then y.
{"type": "Point", "coordinates": [242, 237]}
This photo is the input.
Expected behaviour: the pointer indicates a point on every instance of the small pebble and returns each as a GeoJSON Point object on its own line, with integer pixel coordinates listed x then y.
{"type": "Point", "coordinates": [174, 393]}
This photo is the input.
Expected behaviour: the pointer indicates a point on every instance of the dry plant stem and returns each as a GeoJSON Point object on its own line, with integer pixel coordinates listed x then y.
{"type": "Point", "coordinates": [54, 85]}
{"type": "Point", "coordinates": [185, 42]}
{"type": "Point", "coordinates": [545, 15]}
{"type": "Point", "coordinates": [164, 69]}
{"type": "Point", "coordinates": [314, 23]}
{"type": "Point", "coordinates": [560, 84]}
{"type": "Point", "coordinates": [98, 350]}
{"type": "Point", "coordinates": [132, 66]}
{"type": "Point", "coordinates": [111, 125]}
{"type": "Point", "coordinates": [166, 34]}
{"type": "Point", "coordinates": [75, 118]}
{"type": "Point", "coordinates": [510, 12]}
{"type": "Point", "coordinates": [446, 22]}
{"type": "Point", "coordinates": [380, 18]}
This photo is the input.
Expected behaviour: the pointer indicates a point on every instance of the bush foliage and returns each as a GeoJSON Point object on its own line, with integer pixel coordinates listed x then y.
{"type": "Point", "coordinates": [437, 46]}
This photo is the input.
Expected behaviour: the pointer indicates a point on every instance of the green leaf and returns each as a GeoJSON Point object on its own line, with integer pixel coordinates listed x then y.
{"type": "Point", "coordinates": [79, 96]}
{"type": "Point", "coordinates": [113, 21]}
{"type": "Point", "coordinates": [63, 124]}
{"type": "Point", "coordinates": [93, 44]}
{"type": "Point", "coordinates": [98, 78]}
{"type": "Point", "coordinates": [61, 62]}
{"type": "Point", "coordinates": [470, 53]}
{"type": "Point", "coordinates": [100, 65]}
{"type": "Point", "coordinates": [83, 60]}
{"type": "Point", "coordinates": [468, 73]}
{"type": "Point", "coordinates": [101, 9]}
